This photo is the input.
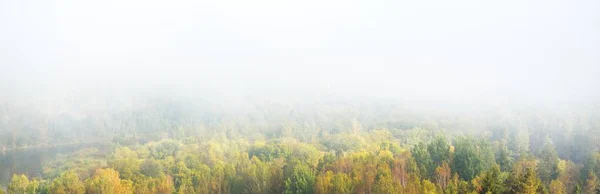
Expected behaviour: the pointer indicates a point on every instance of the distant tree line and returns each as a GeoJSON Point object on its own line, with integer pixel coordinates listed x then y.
{"type": "Point", "coordinates": [178, 147]}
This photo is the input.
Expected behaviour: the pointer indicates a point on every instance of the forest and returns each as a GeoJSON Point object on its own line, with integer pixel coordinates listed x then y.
{"type": "Point", "coordinates": [300, 97]}
{"type": "Point", "coordinates": [167, 145]}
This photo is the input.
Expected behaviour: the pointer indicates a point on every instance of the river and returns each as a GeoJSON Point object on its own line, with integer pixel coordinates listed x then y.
{"type": "Point", "coordinates": [31, 161]}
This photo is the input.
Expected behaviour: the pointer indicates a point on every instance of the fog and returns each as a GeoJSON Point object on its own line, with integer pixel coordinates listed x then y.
{"type": "Point", "coordinates": [465, 52]}
{"type": "Point", "coordinates": [306, 96]}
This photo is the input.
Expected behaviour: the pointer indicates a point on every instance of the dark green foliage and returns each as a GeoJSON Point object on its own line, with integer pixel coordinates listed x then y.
{"type": "Point", "coordinates": [302, 181]}
{"type": "Point", "coordinates": [492, 181]}
{"type": "Point", "coordinates": [592, 165]}
{"type": "Point", "coordinates": [327, 159]}
{"type": "Point", "coordinates": [439, 150]}
{"type": "Point", "coordinates": [164, 149]}
{"type": "Point", "coordinates": [423, 159]}
{"type": "Point", "coordinates": [471, 157]}
{"type": "Point", "coordinates": [577, 189]}
{"type": "Point", "coordinates": [504, 159]}
{"type": "Point", "coordinates": [547, 167]}
{"type": "Point", "coordinates": [150, 167]}
{"type": "Point", "coordinates": [270, 151]}
{"type": "Point", "coordinates": [527, 182]}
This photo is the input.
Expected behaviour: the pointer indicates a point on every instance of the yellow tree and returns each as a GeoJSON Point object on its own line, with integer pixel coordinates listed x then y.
{"type": "Point", "coordinates": [385, 184]}
{"type": "Point", "coordinates": [18, 184]}
{"type": "Point", "coordinates": [165, 184]}
{"type": "Point", "coordinates": [107, 181]}
{"type": "Point", "coordinates": [399, 169]}
{"type": "Point", "coordinates": [145, 185]}
{"type": "Point", "coordinates": [568, 174]}
{"type": "Point", "coordinates": [530, 182]}
{"type": "Point", "coordinates": [429, 187]}
{"type": "Point", "coordinates": [591, 183]}
{"type": "Point", "coordinates": [557, 187]}
{"type": "Point", "coordinates": [527, 183]}
{"type": "Point", "coordinates": [442, 175]}
{"type": "Point", "coordinates": [342, 184]}
{"type": "Point", "coordinates": [323, 184]}
{"type": "Point", "coordinates": [413, 185]}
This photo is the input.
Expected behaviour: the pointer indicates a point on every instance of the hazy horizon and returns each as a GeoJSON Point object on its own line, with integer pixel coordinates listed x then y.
{"type": "Point", "coordinates": [465, 52]}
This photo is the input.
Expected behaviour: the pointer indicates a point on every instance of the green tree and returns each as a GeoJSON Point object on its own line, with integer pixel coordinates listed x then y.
{"type": "Point", "coordinates": [126, 162]}
{"type": "Point", "coordinates": [577, 189]}
{"type": "Point", "coordinates": [67, 183]}
{"type": "Point", "coordinates": [34, 187]}
{"type": "Point", "coordinates": [492, 181]}
{"type": "Point", "coordinates": [439, 150]}
{"type": "Point", "coordinates": [164, 149]}
{"type": "Point", "coordinates": [150, 167]}
{"type": "Point", "coordinates": [326, 160]}
{"type": "Point", "coordinates": [423, 159]}
{"type": "Point", "coordinates": [526, 183]}
{"type": "Point", "coordinates": [341, 183]}
{"type": "Point", "coordinates": [592, 164]}
{"type": "Point", "coordinates": [548, 161]}
{"type": "Point", "coordinates": [253, 176]}
{"type": "Point", "coordinates": [302, 180]}
{"type": "Point", "coordinates": [504, 159]}
{"type": "Point", "coordinates": [471, 157]}
{"type": "Point", "coordinates": [18, 184]}
{"type": "Point", "coordinates": [384, 182]}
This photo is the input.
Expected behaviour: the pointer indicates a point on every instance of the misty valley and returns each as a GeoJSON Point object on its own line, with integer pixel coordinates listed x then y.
{"type": "Point", "coordinates": [300, 97]}
{"type": "Point", "coordinates": [168, 145]}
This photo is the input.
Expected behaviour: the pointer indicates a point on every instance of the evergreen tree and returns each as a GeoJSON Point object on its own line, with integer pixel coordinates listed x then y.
{"type": "Point", "coordinates": [423, 159]}
{"type": "Point", "coordinates": [548, 161]}
{"type": "Point", "coordinates": [504, 159]}
{"type": "Point", "coordinates": [527, 183]}
{"type": "Point", "coordinates": [492, 182]}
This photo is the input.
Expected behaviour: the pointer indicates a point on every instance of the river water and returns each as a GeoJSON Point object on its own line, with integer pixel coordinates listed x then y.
{"type": "Point", "coordinates": [30, 161]}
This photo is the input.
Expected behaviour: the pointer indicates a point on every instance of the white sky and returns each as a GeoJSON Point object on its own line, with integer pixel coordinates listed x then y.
{"type": "Point", "coordinates": [477, 50]}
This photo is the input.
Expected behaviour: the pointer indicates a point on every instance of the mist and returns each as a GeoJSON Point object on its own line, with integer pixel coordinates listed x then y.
{"type": "Point", "coordinates": [278, 96]}
{"type": "Point", "coordinates": [465, 51]}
